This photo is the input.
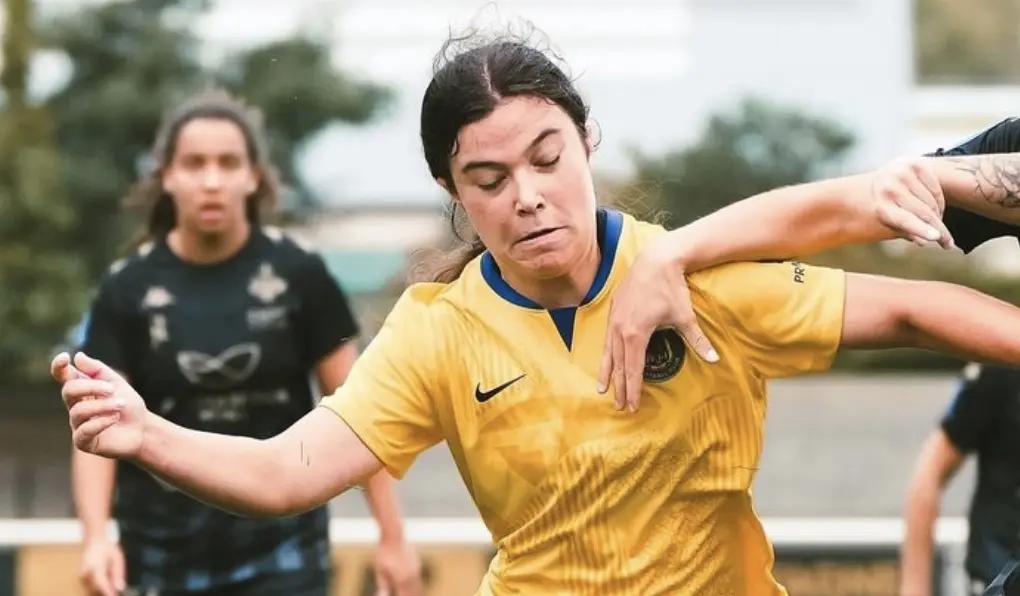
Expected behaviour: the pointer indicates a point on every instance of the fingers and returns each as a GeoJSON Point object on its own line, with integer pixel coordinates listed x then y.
{"type": "Point", "coordinates": [76, 390]}
{"type": "Point", "coordinates": [927, 177]}
{"type": "Point", "coordinates": [86, 409]}
{"type": "Point", "coordinates": [906, 223]}
{"type": "Point", "coordinates": [931, 182]}
{"type": "Point", "coordinates": [95, 580]}
{"type": "Point", "coordinates": [606, 368]}
{"type": "Point", "coordinates": [118, 570]}
{"type": "Point", "coordinates": [61, 368]}
{"type": "Point", "coordinates": [382, 583]}
{"type": "Point", "coordinates": [635, 344]}
{"type": "Point", "coordinates": [410, 585]}
{"type": "Point", "coordinates": [698, 341]}
{"type": "Point", "coordinates": [923, 202]}
{"type": "Point", "coordinates": [86, 435]}
{"type": "Point", "coordinates": [687, 324]}
{"type": "Point", "coordinates": [93, 368]}
{"type": "Point", "coordinates": [618, 376]}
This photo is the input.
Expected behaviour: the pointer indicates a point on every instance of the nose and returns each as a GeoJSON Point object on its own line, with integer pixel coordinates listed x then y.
{"type": "Point", "coordinates": [211, 178]}
{"type": "Point", "coordinates": [529, 195]}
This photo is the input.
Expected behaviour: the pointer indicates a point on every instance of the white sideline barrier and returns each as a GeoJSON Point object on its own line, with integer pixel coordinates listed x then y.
{"type": "Point", "coordinates": [450, 530]}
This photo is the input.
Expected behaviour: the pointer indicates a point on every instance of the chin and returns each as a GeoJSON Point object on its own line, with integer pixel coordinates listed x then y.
{"type": "Point", "coordinates": [212, 232]}
{"type": "Point", "coordinates": [548, 267]}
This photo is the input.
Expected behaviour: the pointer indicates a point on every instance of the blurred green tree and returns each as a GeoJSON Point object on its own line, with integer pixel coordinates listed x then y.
{"type": "Point", "coordinates": [42, 279]}
{"type": "Point", "coordinates": [755, 148]}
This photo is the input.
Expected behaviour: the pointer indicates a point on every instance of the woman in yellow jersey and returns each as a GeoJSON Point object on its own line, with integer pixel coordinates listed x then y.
{"type": "Point", "coordinates": [501, 358]}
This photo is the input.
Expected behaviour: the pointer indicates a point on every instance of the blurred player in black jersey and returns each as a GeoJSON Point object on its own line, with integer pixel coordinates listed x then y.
{"type": "Point", "coordinates": [223, 321]}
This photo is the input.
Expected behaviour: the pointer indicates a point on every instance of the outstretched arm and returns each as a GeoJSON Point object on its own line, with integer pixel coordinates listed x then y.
{"type": "Point", "coordinates": [883, 312]}
{"type": "Point", "coordinates": [295, 471]}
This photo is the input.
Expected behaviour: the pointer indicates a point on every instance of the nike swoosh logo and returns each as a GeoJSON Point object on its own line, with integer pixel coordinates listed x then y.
{"type": "Point", "coordinates": [484, 396]}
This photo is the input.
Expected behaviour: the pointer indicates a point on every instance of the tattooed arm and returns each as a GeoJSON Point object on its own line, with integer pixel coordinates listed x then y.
{"type": "Point", "coordinates": [988, 185]}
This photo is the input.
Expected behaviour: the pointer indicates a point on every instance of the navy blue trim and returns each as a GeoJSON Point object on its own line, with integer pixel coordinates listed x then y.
{"type": "Point", "coordinates": [564, 320]}
{"type": "Point", "coordinates": [608, 242]}
{"type": "Point", "coordinates": [610, 227]}
{"type": "Point", "coordinates": [490, 271]}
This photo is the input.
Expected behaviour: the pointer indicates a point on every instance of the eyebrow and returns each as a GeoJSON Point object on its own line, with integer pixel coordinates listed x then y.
{"type": "Point", "coordinates": [474, 165]}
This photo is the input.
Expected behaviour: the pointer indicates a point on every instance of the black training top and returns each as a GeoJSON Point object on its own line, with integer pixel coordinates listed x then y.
{"type": "Point", "coordinates": [984, 418]}
{"type": "Point", "coordinates": [227, 348]}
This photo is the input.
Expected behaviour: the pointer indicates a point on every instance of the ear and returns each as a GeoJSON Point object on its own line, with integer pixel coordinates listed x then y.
{"type": "Point", "coordinates": [166, 182]}
{"type": "Point", "coordinates": [253, 181]}
{"type": "Point", "coordinates": [589, 139]}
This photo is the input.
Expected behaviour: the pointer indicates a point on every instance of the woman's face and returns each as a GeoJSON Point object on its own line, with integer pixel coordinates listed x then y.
{"type": "Point", "coordinates": [210, 176]}
{"type": "Point", "coordinates": [523, 177]}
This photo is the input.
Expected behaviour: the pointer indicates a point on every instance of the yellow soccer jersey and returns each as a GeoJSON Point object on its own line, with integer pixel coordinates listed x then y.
{"type": "Point", "coordinates": [580, 498]}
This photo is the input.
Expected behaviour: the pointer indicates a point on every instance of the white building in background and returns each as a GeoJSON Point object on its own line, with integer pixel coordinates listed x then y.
{"type": "Point", "coordinates": [653, 71]}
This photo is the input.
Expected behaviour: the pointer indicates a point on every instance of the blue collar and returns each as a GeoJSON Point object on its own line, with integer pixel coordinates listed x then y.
{"type": "Point", "coordinates": [609, 225]}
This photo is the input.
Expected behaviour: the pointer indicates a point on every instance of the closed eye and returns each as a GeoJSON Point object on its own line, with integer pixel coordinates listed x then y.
{"type": "Point", "coordinates": [491, 185]}
{"type": "Point", "coordinates": [548, 164]}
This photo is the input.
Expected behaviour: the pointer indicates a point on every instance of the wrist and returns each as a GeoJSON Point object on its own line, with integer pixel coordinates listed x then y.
{"type": "Point", "coordinates": [677, 251]}
{"type": "Point", "coordinates": [391, 534]}
{"type": "Point", "coordinates": [146, 455]}
{"type": "Point", "coordinates": [95, 534]}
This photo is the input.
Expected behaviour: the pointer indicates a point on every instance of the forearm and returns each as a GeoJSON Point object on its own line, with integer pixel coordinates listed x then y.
{"type": "Point", "coordinates": [382, 500]}
{"type": "Point", "coordinates": [985, 184]}
{"type": "Point", "coordinates": [92, 480]}
{"type": "Point", "coordinates": [918, 543]}
{"type": "Point", "coordinates": [239, 474]}
{"type": "Point", "coordinates": [782, 223]}
{"type": "Point", "coordinates": [960, 321]}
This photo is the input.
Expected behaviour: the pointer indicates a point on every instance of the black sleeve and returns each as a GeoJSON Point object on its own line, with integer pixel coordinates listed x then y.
{"type": "Point", "coordinates": [325, 320]}
{"type": "Point", "coordinates": [969, 229]}
{"type": "Point", "coordinates": [103, 334]}
{"type": "Point", "coordinates": [976, 406]}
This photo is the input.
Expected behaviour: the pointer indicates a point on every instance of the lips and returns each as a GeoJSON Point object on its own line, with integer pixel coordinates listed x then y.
{"type": "Point", "coordinates": [536, 234]}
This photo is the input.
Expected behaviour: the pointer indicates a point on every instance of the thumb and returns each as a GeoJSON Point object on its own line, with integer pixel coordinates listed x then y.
{"type": "Point", "coordinates": [93, 368]}
{"type": "Point", "coordinates": [382, 583]}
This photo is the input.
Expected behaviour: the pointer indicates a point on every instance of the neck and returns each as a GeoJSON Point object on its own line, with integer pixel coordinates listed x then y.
{"type": "Point", "coordinates": [563, 291]}
{"type": "Point", "coordinates": [205, 249]}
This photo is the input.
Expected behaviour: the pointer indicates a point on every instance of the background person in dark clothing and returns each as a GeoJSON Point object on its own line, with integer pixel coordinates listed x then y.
{"type": "Point", "coordinates": [984, 419]}
{"type": "Point", "coordinates": [223, 321]}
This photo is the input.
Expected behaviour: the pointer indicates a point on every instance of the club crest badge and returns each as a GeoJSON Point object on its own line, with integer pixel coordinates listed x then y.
{"type": "Point", "coordinates": [664, 356]}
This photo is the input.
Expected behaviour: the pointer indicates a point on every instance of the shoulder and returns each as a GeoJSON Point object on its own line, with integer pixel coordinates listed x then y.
{"type": "Point", "coordinates": [636, 233]}
{"type": "Point", "coordinates": [1002, 137]}
{"type": "Point", "coordinates": [285, 245]}
{"type": "Point", "coordinates": [987, 374]}
{"type": "Point", "coordinates": [744, 276]}
{"type": "Point", "coordinates": [131, 268]}
{"type": "Point", "coordinates": [425, 301]}
{"type": "Point", "coordinates": [289, 253]}
{"type": "Point", "coordinates": [765, 287]}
